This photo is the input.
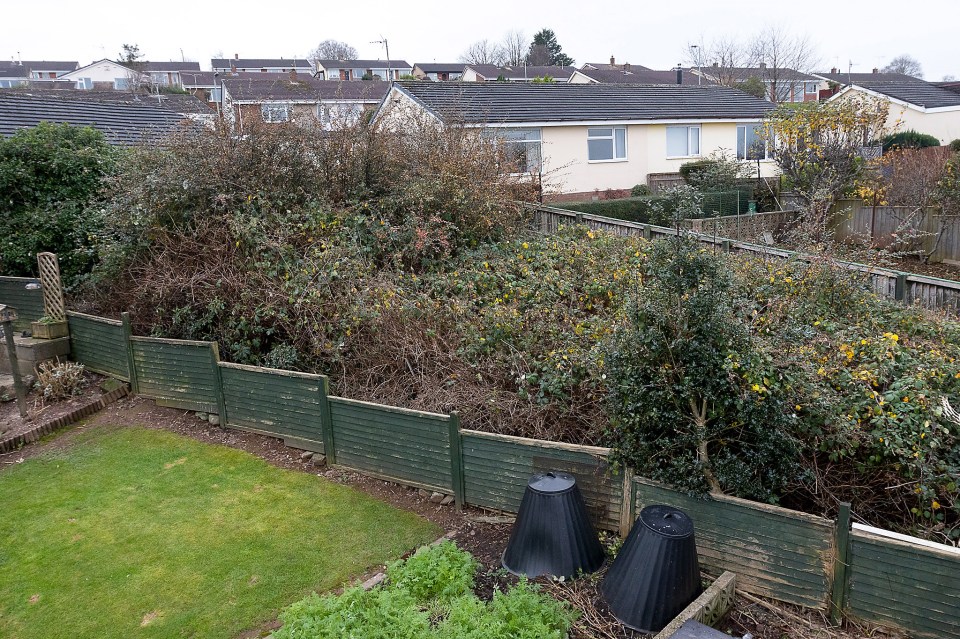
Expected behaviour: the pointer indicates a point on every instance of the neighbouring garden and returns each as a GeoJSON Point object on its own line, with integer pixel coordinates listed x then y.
{"type": "Point", "coordinates": [404, 267]}
{"type": "Point", "coordinates": [156, 533]}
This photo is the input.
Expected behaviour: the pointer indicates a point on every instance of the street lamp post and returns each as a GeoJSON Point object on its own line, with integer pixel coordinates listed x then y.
{"type": "Point", "coordinates": [386, 46]}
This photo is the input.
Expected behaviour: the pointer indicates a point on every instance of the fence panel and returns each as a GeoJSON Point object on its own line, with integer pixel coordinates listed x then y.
{"type": "Point", "coordinates": [29, 303]}
{"type": "Point", "coordinates": [177, 373]}
{"type": "Point", "coordinates": [496, 469]}
{"type": "Point", "coordinates": [275, 402]}
{"type": "Point", "coordinates": [99, 344]}
{"type": "Point", "coordinates": [933, 293]}
{"type": "Point", "coordinates": [910, 585]}
{"type": "Point", "coordinates": [778, 553]}
{"type": "Point", "coordinates": [412, 447]}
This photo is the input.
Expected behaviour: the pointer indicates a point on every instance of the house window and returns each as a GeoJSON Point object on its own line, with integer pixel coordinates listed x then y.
{"type": "Point", "coordinates": [604, 145]}
{"type": "Point", "coordinates": [683, 141]}
{"type": "Point", "coordinates": [84, 83]}
{"type": "Point", "coordinates": [275, 112]}
{"type": "Point", "coordinates": [811, 87]}
{"type": "Point", "coordinates": [339, 116]}
{"type": "Point", "coordinates": [121, 84]}
{"type": "Point", "coordinates": [521, 148]}
{"type": "Point", "coordinates": [751, 145]}
{"type": "Point", "coordinates": [214, 95]}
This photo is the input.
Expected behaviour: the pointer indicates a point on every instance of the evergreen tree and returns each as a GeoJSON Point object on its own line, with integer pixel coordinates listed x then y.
{"type": "Point", "coordinates": [546, 50]}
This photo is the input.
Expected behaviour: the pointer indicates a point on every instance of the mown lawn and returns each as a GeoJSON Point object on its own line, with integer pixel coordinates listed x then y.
{"type": "Point", "coordinates": [143, 533]}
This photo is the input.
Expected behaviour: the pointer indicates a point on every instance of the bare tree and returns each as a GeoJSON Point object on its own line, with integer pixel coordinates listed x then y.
{"type": "Point", "coordinates": [777, 54]}
{"type": "Point", "coordinates": [483, 52]}
{"type": "Point", "coordinates": [905, 64]}
{"type": "Point", "coordinates": [333, 50]}
{"type": "Point", "coordinates": [722, 59]}
{"type": "Point", "coordinates": [514, 48]}
{"type": "Point", "coordinates": [137, 77]}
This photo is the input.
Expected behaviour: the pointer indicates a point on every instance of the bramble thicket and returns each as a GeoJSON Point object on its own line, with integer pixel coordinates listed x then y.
{"type": "Point", "coordinates": [403, 267]}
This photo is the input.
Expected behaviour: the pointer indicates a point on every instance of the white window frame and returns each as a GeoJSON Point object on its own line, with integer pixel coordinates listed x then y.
{"type": "Point", "coordinates": [269, 109]}
{"type": "Point", "coordinates": [613, 143]}
{"type": "Point", "coordinates": [690, 128]}
{"type": "Point", "coordinates": [767, 155]}
{"type": "Point", "coordinates": [497, 135]}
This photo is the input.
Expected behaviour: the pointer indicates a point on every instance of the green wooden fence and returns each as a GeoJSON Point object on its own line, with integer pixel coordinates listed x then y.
{"type": "Point", "coordinates": [394, 443]}
{"type": "Point", "coordinates": [782, 554]}
{"type": "Point", "coordinates": [178, 373]}
{"type": "Point", "coordinates": [897, 581]}
{"type": "Point", "coordinates": [99, 343]}
{"type": "Point", "coordinates": [496, 469]}
{"type": "Point", "coordinates": [275, 402]}
{"type": "Point", "coordinates": [28, 302]}
{"type": "Point", "coordinates": [777, 553]}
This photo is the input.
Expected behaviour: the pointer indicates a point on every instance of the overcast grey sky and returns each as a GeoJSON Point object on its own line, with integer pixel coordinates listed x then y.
{"type": "Point", "coordinates": [655, 35]}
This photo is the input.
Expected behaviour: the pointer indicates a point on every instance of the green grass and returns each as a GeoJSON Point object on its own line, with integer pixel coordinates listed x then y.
{"type": "Point", "coordinates": [143, 533]}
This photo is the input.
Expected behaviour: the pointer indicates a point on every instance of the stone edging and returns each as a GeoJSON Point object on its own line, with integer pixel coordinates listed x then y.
{"type": "Point", "coordinates": [77, 414]}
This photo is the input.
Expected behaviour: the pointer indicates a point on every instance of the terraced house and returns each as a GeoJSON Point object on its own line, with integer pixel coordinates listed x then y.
{"type": "Point", "coordinates": [580, 138]}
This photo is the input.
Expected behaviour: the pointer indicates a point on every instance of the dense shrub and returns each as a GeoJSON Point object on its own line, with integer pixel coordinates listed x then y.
{"type": "Point", "coordinates": [955, 145]}
{"type": "Point", "coordinates": [639, 190]}
{"type": "Point", "coordinates": [694, 400]}
{"type": "Point", "coordinates": [909, 139]}
{"type": "Point", "coordinates": [648, 209]}
{"type": "Point", "coordinates": [49, 176]}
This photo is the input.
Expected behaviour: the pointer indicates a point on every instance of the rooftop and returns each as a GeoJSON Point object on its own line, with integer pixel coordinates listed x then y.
{"type": "Point", "coordinates": [306, 89]}
{"type": "Point", "coordinates": [270, 63]}
{"type": "Point", "coordinates": [492, 71]}
{"type": "Point", "coordinates": [498, 102]}
{"type": "Point", "coordinates": [365, 64]}
{"type": "Point", "coordinates": [122, 123]}
{"type": "Point", "coordinates": [640, 75]}
{"type": "Point", "coordinates": [440, 67]}
{"type": "Point", "coordinates": [916, 92]}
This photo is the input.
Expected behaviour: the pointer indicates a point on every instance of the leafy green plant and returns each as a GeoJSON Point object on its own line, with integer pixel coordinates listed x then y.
{"type": "Point", "coordinates": [438, 573]}
{"type": "Point", "coordinates": [639, 190]}
{"type": "Point", "coordinates": [429, 596]}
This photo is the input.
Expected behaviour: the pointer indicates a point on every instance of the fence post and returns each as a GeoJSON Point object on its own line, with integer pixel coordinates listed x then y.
{"type": "Point", "coordinates": [128, 347]}
{"type": "Point", "coordinates": [326, 422]}
{"type": "Point", "coordinates": [725, 246]}
{"type": "Point", "coordinates": [456, 459]}
{"type": "Point", "coordinates": [645, 231]}
{"type": "Point", "coordinates": [900, 289]}
{"type": "Point", "coordinates": [838, 592]}
{"type": "Point", "coordinates": [626, 503]}
{"type": "Point", "coordinates": [218, 384]}
{"type": "Point", "coordinates": [579, 218]}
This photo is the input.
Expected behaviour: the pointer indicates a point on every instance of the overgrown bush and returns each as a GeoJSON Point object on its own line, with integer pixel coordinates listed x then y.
{"type": "Point", "coordinates": [49, 177]}
{"type": "Point", "coordinates": [57, 381]}
{"type": "Point", "coordinates": [694, 400]}
{"type": "Point", "coordinates": [639, 190]}
{"type": "Point", "coordinates": [406, 609]}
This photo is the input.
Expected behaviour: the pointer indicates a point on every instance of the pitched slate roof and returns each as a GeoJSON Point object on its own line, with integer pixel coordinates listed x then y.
{"type": "Point", "coordinates": [440, 67]}
{"type": "Point", "coordinates": [279, 88]}
{"type": "Point", "coordinates": [857, 78]}
{"type": "Point", "coordinates": [606, 66]}
{"type": "Point", "coordinates": [51, 65]}
{"type": "Point", "coordinates": [919, 93]}
{"type": "Point", "coordinates": [13, 70]}
{"type": "Point", "coordinates": [123, 124]}
{"type": "Point", "coordinates": [501, 102]}
{"type": "Point", "coordinates": [172, 66]}
{"type": "Point", "coordinates": [365, 64]}
{"type": "Point", "coordinates": [247, 63]}
{"type": "Point", "coordinates": [764, 73]}
{"type": "Point", "coordinates": [641, 75]}
{"type": "Point", "coordinates": [183, 104]}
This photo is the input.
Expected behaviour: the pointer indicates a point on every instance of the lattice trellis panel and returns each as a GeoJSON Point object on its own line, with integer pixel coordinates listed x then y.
{"type": "Point", "coordinates": [50, 282]}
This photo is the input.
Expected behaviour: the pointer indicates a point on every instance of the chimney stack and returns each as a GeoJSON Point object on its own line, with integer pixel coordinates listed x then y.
{"type": "Point", "coordinates": [626, 66]}
{"type": "Point", "coordinates": [613, 61]}
{"type": "Point", "coordinates": [293, 75]}
{"type": "Point", "coordinates": [763, 65]}
{"type": "Point", "coordinates": [679, 75]}
{"type": "Point", "coordinates": [834, 70]}
{"type": "Point", "coordinates": [876, 70]}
